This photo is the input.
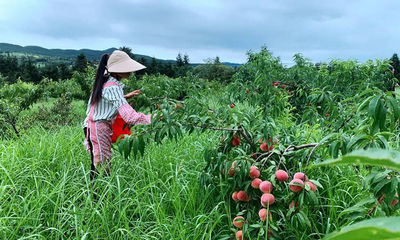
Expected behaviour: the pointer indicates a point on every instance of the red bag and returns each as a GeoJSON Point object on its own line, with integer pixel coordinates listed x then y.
{"type": "Point", "coordinates": [118, 129]}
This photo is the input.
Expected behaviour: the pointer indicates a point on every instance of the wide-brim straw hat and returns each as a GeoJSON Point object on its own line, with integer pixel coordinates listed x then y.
{"type": "Point", "coordinates": [120, 62]}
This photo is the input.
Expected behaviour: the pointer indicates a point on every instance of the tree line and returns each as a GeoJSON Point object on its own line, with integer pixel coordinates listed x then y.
{"type": "Point", "coordinates": [25, 68]}
{"type": "Point", "coordinates": [13, 68]}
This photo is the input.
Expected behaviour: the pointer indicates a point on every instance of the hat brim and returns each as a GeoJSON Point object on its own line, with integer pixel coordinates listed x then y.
{"type": "Point", "coordinates": [128, 65]}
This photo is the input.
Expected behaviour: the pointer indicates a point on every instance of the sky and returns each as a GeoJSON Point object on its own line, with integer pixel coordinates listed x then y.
{"type": "Point", "coordinates": [320, 30]}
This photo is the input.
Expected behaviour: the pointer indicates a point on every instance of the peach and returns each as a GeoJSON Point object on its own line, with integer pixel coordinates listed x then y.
{"type": "Point", "coordinates": [256, 183]}
{"type": "Point", "coordinates": [238, 221]}
{"type": "Point", "coordinates": [266, 186]}
{"type": "Point", "coordinates": [231, 172]}
{"type": "Point", "coordinates": [267, 199]}
{"type": "Point", "coordinates": [242, 196]}
{"type": "Point", "coordinates": [263, 214]}
{"type": "Point", "coordinates": [254, 173]}
{"type": "Point", "coordinates": [264, 147]}
{"type": "Point", "coordinates": [294, 187]}
{"type": "Point", "coordinates": [395, 201]}
{"type": "Point", "coordinates": [239, 235]}
{"type": "Point", "coordinates": [281, 175]}
{"type": "Point", "coordinates": [235, 142]}
{"type": "Point", "coordinates": [300, 176]}
{"type": "Point", "coordinates": [253, 168]}
{"type": "Point", "coordinates": [234, 196]}
{"type": "Point", "coordinates": [312, 186]}
{"type": "Point", "coordinates": [293, 204]}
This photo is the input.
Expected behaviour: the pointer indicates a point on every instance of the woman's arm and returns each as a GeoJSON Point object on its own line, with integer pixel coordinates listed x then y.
{"type": "Point", "coordinates": [132, 117]}
{"type": "Point", "coordinates": [132, 94]}
{"type": "Point", "coordinates": [115, 96]}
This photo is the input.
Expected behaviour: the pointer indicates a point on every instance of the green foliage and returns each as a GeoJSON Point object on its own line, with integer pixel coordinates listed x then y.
{"type": "Point", "coordinates": [304, 114]}
{"type": "Point", "coordinates": [373, 157]}
{"type": "Point", "coordinates": [214, 70]}
{"type": "Point", "coordinates": [14, 98]}
{"type": "Point", "coordinates": [395, 62]}
{"type": "Point", "coordinates": [81, 63]}
{"type": "Point", "coordinates": [58, 113]}
{"type": "Point", "coordinates": [378, 228]}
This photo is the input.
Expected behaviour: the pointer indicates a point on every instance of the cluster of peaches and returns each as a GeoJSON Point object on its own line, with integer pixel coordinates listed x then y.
{"type": "Point", "coordinates": [267, 199]}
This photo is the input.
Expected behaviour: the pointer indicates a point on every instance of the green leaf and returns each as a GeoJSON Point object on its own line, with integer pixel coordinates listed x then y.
{"type": "Point", "coordinates": [364, 104]}
{"type": "Point", "coordinates": [142, 145]}
{"type": "Point", "coordinates": [373, 106]}
{"type": "Point", "coordinates": [395, 107]}
{"type": "Point", "coordinates": [355, 140]}
{"type": "Point", "coordinates": [374, 157]}
{"type": "Point", "coordinates": [377, 228]}
{"type": "Point", "coordinates": [135, 146]}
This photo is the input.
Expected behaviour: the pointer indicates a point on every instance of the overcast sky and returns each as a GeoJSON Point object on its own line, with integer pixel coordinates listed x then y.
{"type": "Point", "coordinates": [320, 30]}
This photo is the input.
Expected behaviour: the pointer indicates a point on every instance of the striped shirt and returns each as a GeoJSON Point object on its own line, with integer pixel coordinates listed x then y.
{"type": "Point", "coordinates": [112, 98]}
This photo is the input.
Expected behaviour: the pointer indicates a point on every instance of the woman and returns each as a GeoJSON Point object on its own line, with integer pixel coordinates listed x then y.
{"type": "Point", "coordinates": [106, 101]}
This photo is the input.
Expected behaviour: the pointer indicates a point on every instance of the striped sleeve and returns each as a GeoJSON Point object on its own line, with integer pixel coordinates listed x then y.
{"type": "Point", "coordinates": [114, 95]}
{"type": "Point", "coordinates": [132, 117]}
{"type": "Point", "coordinates": [84, 124]}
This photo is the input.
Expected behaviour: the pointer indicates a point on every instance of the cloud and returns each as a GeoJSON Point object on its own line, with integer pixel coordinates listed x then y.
{"type": "Point", "coordinates": [319, 29]}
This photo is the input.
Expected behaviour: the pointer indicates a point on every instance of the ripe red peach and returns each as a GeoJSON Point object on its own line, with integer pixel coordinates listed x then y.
{"type": "Point", "coordinates": [231, 172]}
{"type": "Point", "coordinates": [234, 196]}
{"type": "Point", "coordinates": [281, 175]}
{"type": "Point", "coordinates": [238, 221]}
{"type": "Point", "coordinates": [263, 214]}
{"type": "Point", "coordinates": [264, 147]}
{"type": "Point", "coordinates": [312, 186]}
{"type": "Point", "coordinates": [239, 235]}
{"type": "Point", "coordinates": [293, 204]}
{"type": "Point", "coordinates": [256, 183]}
{"type": "Point", "coordinates": [267, 199]}
{"type": "Point", "coordinates": [296, 188]}
{"type": "Point", "coordinates": [301, 176]}
{"type": "Point", "coordinates": [254, 173]}
{"type": "Point", "coordinates": [235, 142]}
{"type": "Point", "coordinates": [242, 196]}
{"type": "Point", "coordinates": [266, 186]}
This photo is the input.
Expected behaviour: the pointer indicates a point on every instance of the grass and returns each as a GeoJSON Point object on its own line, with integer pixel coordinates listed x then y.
{"type": "Point", "coordinates": [45, 191]}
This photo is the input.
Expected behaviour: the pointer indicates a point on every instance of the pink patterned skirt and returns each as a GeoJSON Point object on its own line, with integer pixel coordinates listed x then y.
{"type": "Point", "coordinates": [100, 133]}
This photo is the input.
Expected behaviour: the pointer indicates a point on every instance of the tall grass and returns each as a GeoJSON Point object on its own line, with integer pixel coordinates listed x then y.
{"type": "Point", "coordinates": [45, 191]}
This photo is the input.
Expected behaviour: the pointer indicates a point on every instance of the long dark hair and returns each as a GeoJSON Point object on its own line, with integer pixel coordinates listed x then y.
{"type": "Point", "coordinates": [100, 80]}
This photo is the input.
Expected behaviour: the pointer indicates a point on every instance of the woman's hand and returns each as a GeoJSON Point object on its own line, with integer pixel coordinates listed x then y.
{"type": "Point", "coordinates": [133, 93]}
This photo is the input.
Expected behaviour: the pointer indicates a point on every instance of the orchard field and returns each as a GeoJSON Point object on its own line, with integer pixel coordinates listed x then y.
{"type": "Point", "coordinates": [301, 152]}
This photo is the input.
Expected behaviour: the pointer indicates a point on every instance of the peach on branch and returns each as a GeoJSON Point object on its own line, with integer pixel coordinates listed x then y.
{"type": "Point", "coordinates": [296, 185]}
{"type": "Point", "coordinates": [293, 204]}
{"type": "Point", "coordinates": [263, 214]}
{"type": "Point", "coordinates": [266, 186]}
{"type": "Point", "coordinates": [256, 183]}
{"type": "Point", "coordinates": [235, 142]}
{"type": "Point", "coordinates": [281, 175]}
{"type": "Point", "coordinates": [264, 147]}
{"type": "Point", "coordinates": [239, 235]}
{"type": "Point", "coordinates": [242, 196]}
{"type": "Point", "coordinates": [312, 186]}
{"type": "Point", "coordinates": [238, 221]}
{"type": "Point", "coordinates": [301, 176]}
{"type": "Point", "coordinates": [267, 199]}
{"type": "Point", "coordinates": [234, 196]}
{"type": "Point", "coordinates": [231, 172]}
{"type": "Point", "coordinates": [254, 173]}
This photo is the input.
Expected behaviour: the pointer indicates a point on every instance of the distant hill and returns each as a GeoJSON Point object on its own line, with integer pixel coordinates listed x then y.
{"type": "Point", "coordinates": [69, 55]}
